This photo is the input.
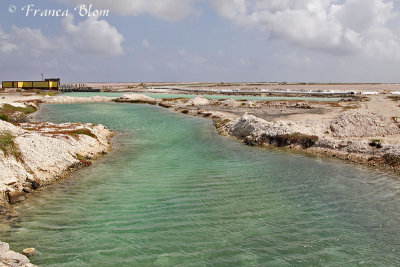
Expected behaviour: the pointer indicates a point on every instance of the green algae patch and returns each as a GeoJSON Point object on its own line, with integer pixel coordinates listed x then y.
{"type": "Point", "coordinates": [83, 132]}
{"type": "Point", "coordinates": [75, 133]}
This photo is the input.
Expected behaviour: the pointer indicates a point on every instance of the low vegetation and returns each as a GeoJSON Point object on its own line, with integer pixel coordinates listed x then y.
{"type": "Point", "coordinates": [394, 98]}
{"type": "Point", "coordinates": [184, 100]}
{"type": "Point", "coordinates": [44, 92]}
{"type": "Point", "coordinates": [8, 145]}
{"type": "Point", "coordinates": [4, 117]}
{"type": "Point", "coordinates": [84, 131]}
{"type": "Point", "coordinates": [347, 106]}
{"type": "Point", "coordinates": [376, 143]}
{"type": "Point", "coordinates": [11, 113]}
{"type": "Point", "coordinates": [50, 93]}
{"type": "Point", "coordinates": [9, 109]}
{"type": "Point", "coordinates": [75, 133]}
{"type": "Point", "coordinates": [85, 161]}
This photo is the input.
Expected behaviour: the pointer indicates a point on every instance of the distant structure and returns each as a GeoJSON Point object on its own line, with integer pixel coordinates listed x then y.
{"type": "Point", "coordinates": [48, 84]}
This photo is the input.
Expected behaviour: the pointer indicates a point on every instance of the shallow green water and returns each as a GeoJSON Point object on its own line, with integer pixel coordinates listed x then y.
{"type": "Point", "coordinates": [175, 193]}
{"type": "Point", "coordinates": [245, 97]}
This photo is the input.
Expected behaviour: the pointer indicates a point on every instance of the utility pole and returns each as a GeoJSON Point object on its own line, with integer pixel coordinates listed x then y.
{"type": "Point", "coordinates": [42, 76]}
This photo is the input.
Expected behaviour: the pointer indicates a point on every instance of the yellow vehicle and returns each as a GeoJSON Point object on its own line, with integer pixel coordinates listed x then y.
{"type": "Point", "coordinates": [48, 84]}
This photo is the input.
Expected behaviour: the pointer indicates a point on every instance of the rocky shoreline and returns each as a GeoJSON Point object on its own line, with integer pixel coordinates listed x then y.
{"type": "Point", "coordinates": [9, 258]}
{"type": "Point", "coordinates": [33, 155]}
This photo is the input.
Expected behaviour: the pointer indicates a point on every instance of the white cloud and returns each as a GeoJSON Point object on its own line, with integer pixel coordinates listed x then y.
{"type": "Point", "coordinates": [32, 38]}
{"type": "Point", "coordinates": [6, 45]}
{"type": "Point", "coordinates": [337, 27]}
{"type": "Point", "coordinates": [93, 36]}
{"type": "Point", "coordinates": [232, 9]}
{"type": "Point", "coordinates": [166, 9]}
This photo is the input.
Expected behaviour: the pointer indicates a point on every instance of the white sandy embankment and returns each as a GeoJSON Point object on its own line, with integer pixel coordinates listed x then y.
{"type": "Point", "coordinates": [60, 99]}
{"type": "Point", "coordinates": [33, 155]}
{"type": "Point", "coordinates": [349, 134]}
{"type": "Point", "coordinates": [38, 154]}
{"type": "Point", "coordinates": [9, 258]}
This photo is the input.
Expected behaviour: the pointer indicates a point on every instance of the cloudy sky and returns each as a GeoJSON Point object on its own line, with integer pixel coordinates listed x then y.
{"type": "Point", "coordinates": [202, 40]}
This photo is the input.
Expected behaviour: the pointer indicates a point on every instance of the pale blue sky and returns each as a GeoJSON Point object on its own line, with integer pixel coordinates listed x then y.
{"type": "Point", "coordinates": [204, 40]}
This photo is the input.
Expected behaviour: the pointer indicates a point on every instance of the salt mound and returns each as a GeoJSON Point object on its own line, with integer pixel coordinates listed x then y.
{"type": "Point", "coordinates": [198, 101]}
{"type": "Point", "coordinates": [358, 125]}
{"type": "Point", "coordinates": [251, 125]}
{"type": "Point", "coordinates": [137, 98]}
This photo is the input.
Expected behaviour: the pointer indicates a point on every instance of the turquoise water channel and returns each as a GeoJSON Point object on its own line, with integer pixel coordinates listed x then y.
{"type": "Point", "coordinates": [175, 193]}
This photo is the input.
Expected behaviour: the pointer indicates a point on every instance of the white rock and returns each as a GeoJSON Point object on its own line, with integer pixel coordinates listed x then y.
{"type": "Point", "coordinates": [11, 258]}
